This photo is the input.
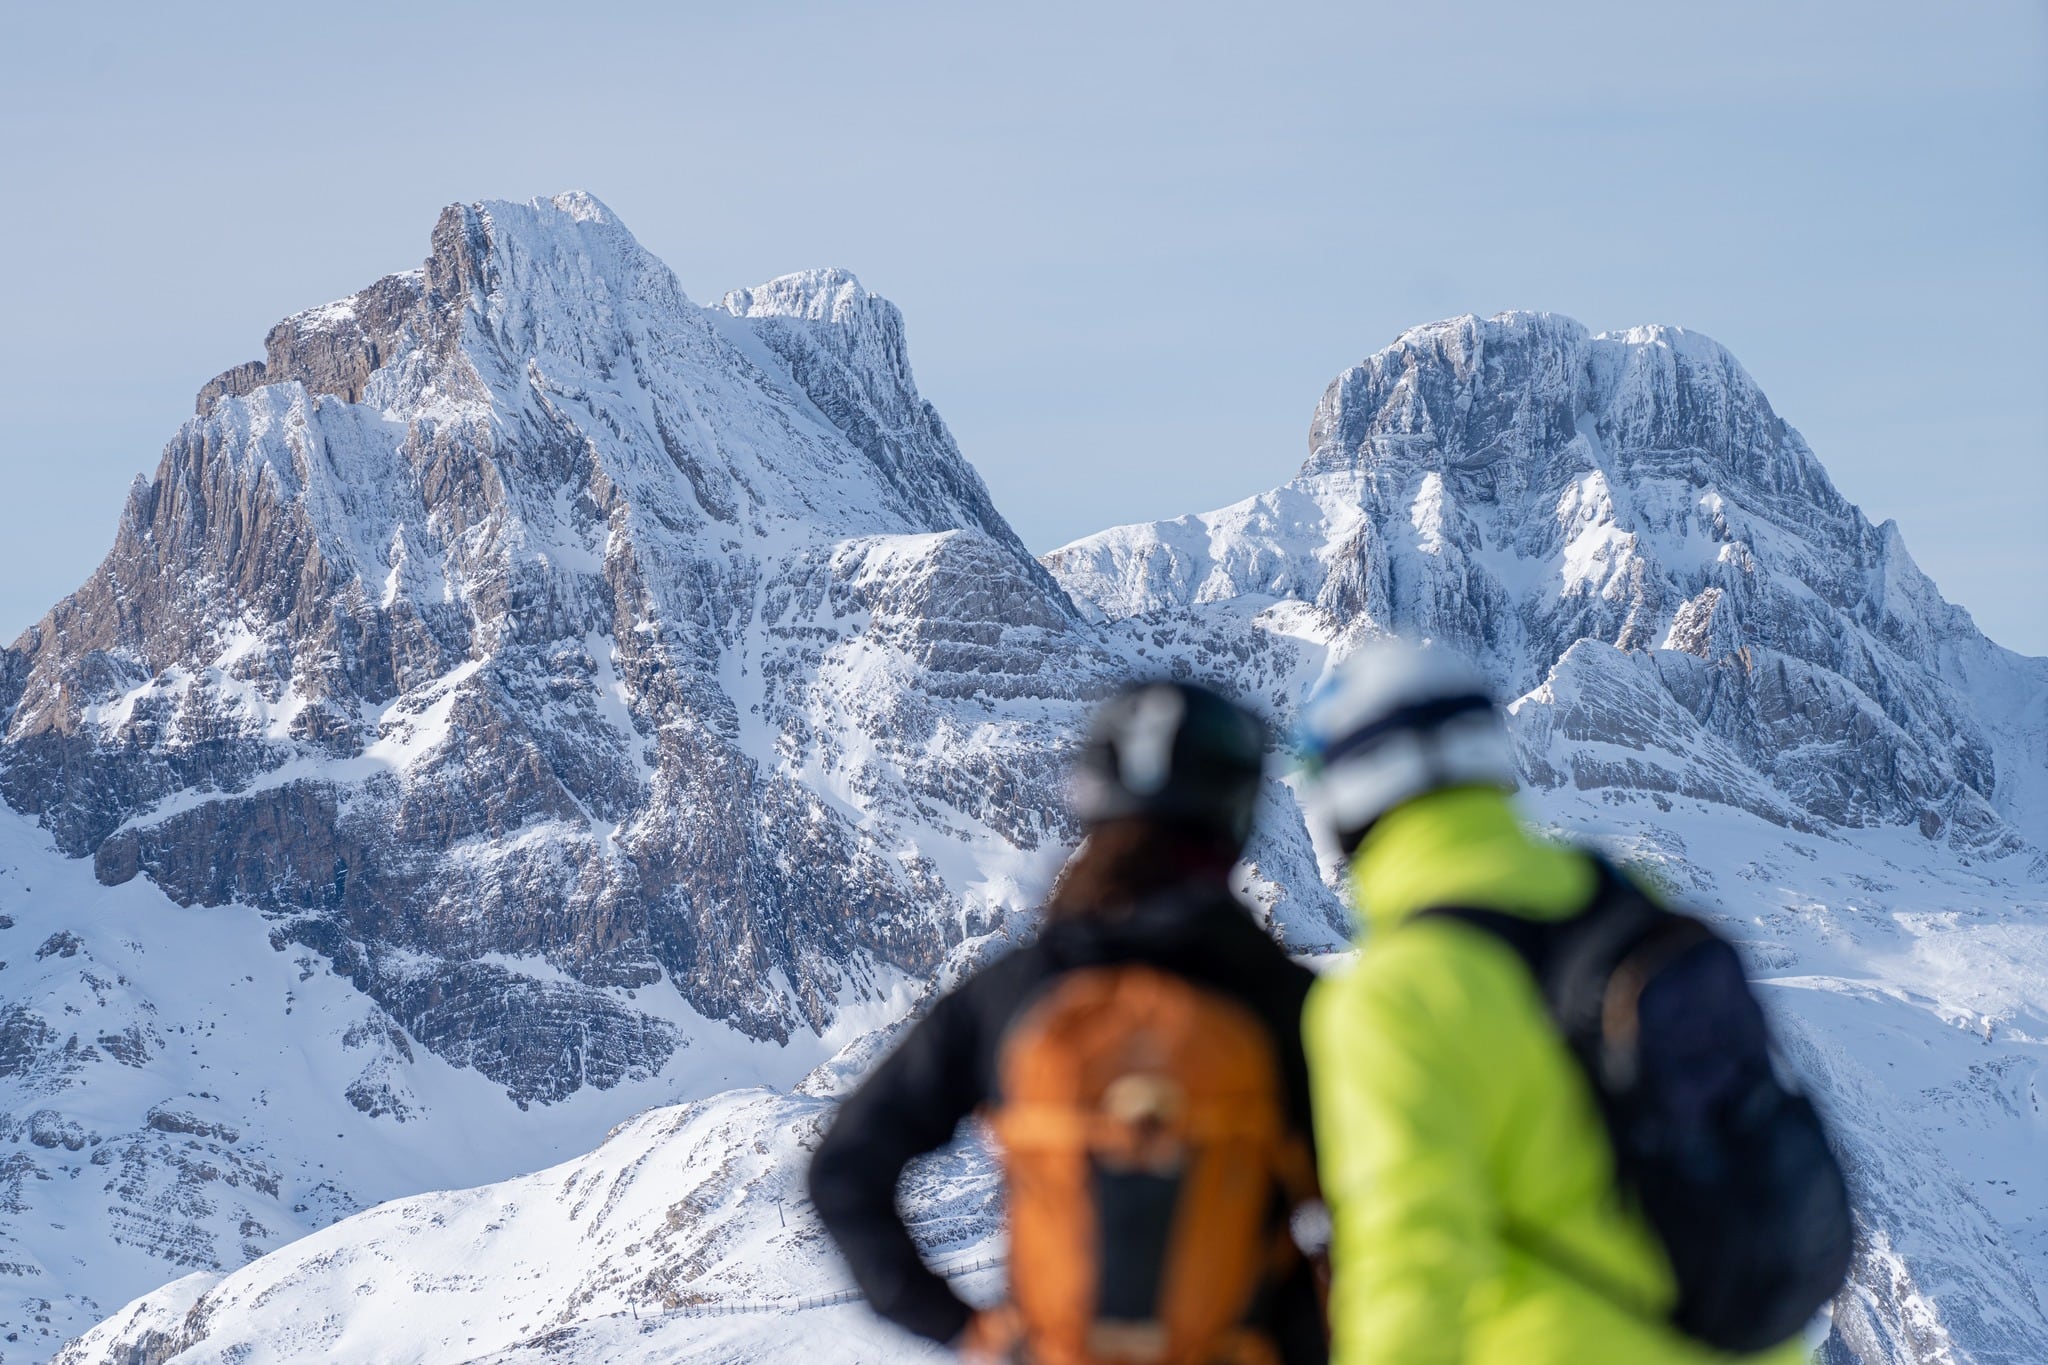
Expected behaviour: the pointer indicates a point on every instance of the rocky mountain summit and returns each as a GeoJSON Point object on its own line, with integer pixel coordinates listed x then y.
{"type": "Point", "coordinates": [526, 696]}
{"type": "Point", "coordinates": [1622, 529]}
{"type": "Point", "coordinates": [519, 611]}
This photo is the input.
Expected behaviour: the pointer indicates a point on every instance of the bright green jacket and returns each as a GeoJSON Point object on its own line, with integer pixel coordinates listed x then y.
{"type": "Point", "coordinates": [1447, 1110]}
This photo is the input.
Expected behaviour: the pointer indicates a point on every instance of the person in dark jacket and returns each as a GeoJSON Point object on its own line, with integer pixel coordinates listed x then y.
{"type": "Point", "coordinates": [1165, 788]}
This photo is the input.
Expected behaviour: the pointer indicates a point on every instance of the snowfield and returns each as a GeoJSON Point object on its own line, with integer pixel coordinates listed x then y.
{"type": "Point", "coordinates": [1912, 995]}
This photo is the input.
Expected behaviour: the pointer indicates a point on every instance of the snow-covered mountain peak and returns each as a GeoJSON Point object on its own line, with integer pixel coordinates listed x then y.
{"type": "Point", "coordinates": [580, 205]}
{"type": "Point", "coordinates": [827, 294]}
{"type": "Point", "coordinates": [1456, 387]}
{"type": "Point", "coordinates": [1517, 484]}
{"type": "Point", "coordinates": [484, 581]}
{"type": "Point", "coordinates": [572, 226]}
{"type": "Point", "coordinates": [579, 677]}
{"type": "Point", "coordinates": [1466, 333]}
{"type": "Point", "coordinates": [862, 332]}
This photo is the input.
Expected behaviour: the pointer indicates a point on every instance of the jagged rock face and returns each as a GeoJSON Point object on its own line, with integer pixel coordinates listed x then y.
{"type": "Point", "coordinates": [1517, 486]}
{"type": "Point", "coordinates": [519, 607]}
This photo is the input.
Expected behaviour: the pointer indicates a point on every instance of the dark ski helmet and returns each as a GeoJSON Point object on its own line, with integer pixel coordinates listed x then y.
{"type": "Point", "coordinates": [1171, 752]}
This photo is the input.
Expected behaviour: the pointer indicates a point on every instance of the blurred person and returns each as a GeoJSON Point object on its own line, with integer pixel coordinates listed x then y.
{"type": "Point", "coordinates": [1550, 1129]}
{"type": "Point", "coordinates": [1141, 1068]}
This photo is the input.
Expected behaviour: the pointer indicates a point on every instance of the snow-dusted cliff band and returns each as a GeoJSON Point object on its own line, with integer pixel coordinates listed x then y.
{"type": "Point", "coordinates": [527, 696]}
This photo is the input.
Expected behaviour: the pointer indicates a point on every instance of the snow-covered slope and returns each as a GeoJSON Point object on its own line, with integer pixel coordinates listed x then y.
{"type": "Point", "coordinates": [1914, 993]}
{"type": "Point", "coordinates": [583, 701]}
{"type": "Point", "coordinates": [685, 1219]}
{"type": "Point", "coordinates": [185, 1091]}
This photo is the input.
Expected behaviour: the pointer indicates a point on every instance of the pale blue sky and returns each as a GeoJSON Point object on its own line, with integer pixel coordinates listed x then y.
{"type": "Point", "coordinates": [1133, 243]}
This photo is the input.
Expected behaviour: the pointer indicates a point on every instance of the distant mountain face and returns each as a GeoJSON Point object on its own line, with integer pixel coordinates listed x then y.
{"type": "Point", "coordinates": [1627, 535]}
{"type": "Point", "coordinates": [589, 699]}
{"type": "Point", "coordinates": [520, 611]}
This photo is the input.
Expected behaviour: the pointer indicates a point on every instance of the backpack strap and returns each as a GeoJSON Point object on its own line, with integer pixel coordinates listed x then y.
{"type": "Point", "coordinates": [1533, 939]}
{"type": "Point", "coordinates": [1530, 939]}
{"type": "Point", "coordinates": [1572, 958]}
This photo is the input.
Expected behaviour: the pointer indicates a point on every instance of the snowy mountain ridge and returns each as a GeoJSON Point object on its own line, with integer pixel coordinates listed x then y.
{"type": "Point", "coordinates": [482, 600]}
{"type": "Point", "coordinates": [1636, 489]}
{"type": "Point", "coordinates": [556, 698]}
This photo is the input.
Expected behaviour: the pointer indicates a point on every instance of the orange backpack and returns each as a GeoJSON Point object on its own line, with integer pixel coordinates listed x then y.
{"type": "Point", "coordinates": [1146, 1146]}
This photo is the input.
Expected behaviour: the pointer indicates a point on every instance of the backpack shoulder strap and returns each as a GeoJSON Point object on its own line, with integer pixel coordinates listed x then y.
{"type": "Point", "coordinates": [1530, 939]}
{"type": "Point", "coordinates": [1572, 955]}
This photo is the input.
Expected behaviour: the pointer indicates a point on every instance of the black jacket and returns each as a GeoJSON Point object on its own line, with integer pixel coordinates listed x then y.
{"type": "Point", "coordinates": [946, 1068]}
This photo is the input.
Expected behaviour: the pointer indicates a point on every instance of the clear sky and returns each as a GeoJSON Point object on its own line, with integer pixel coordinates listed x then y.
{"type": "Point", "coordinates": [1133, 243]}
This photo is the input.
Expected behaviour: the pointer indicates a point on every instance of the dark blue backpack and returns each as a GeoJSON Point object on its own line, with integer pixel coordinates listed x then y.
{"type": "Point", "coordinates": [1732, 1169]}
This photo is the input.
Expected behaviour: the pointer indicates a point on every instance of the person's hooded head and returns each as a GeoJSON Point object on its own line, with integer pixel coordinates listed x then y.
{"type": "Point", "coordinates": [1394, 722]}
{"type": "Point", "coordinates": [1165, 787]}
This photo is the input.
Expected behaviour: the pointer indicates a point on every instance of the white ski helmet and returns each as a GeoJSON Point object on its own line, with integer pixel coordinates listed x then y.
{"type": "Point", "coordinates": [1395, 721]}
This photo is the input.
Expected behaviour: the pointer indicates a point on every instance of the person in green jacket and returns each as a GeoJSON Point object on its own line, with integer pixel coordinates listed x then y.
{"type": "Point", "coordinates": [1448, 1108]}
